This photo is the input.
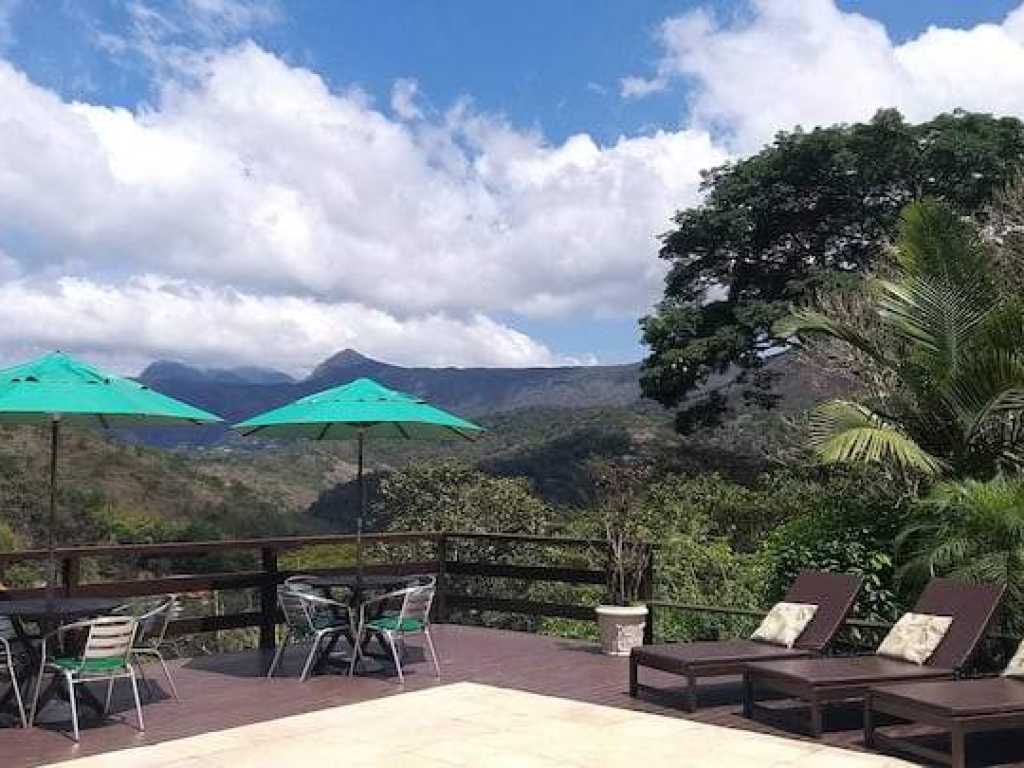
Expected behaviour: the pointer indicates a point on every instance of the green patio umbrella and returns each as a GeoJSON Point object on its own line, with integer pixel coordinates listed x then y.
{"type": "Point", "coordinates": [358, 410]}
{"type": "Point", "coordinates": [57, 389]}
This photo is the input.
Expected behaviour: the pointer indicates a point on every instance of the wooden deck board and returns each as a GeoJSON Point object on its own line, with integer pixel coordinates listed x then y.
{"type": "Point", "coordinates": [226, 691]}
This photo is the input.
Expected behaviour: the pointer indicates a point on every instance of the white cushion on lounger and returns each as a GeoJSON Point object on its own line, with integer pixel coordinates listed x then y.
{"type": "Point", "coordinates": [784, 623]}
{"type": "Point", "coordinates": [915, 637]}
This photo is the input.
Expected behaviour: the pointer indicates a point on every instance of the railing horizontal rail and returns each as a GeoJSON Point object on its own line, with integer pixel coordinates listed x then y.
{"type": "Point", "coordinates": [185, 548]}
{"type": "Point", "coordinates": [515, 537]}
{"type": "Point", "coordinates": [527, 572]}
{"type": "Point", "coordinates": [527, 607]}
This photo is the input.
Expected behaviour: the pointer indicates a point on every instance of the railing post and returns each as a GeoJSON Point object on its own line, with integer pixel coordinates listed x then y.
{"type": "Point", "coordinates": [268, 600]}
{"type": "Point", "coordinates": [71, 573]}
{"type": "Point", "coordinates": [647, 595]}
{"type": "Point", "coordinates": [441, 598]}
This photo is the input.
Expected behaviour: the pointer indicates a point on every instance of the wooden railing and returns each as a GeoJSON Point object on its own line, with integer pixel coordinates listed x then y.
{"type": "Point", "coordinates": [446, 560]}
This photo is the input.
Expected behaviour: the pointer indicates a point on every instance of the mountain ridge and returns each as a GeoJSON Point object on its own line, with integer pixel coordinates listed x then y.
{"type": "Point", "coordinates": [471, 392]}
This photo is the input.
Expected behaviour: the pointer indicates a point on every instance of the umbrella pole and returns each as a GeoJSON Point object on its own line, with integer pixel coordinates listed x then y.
{"type": "Point", "coordinates": [51, 578]}
{"type": "Point", "coordinates": [359, 520]}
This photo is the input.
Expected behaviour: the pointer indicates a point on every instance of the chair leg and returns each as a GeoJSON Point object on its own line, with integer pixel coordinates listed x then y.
{"type": "Point", "coordinates": [394, 655]}
{"type": "Point", "coordinates": [167, 674]}
{"type": "Point", "coordinates": [357, 652]}
{"type": "Point", "coordinates": [17, 693]}
{"type": "Point", "coordinates": [142, 673]}
{"type": "Point", "coordinates": [279, 654]}
{"type": "Point", "coordinates": [433, 653]}
{"type": "Point", "coordinates": [35, 698]}
{"type": "Point", "coordinates": [138, 702]}
{"type": "Point", "coordinates": [110, 695]}
{"type": "Point", "coordinates": [314, 652]}
{"type": "Point", "coordinates": [73, 698]}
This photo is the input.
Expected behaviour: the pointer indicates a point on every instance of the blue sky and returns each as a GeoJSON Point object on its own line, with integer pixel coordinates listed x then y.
{"type": "Point", "coordinates": [521, 112]}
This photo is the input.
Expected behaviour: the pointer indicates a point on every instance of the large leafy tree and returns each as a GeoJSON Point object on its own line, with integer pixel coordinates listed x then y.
{"type": "Point", "coordinates": [939, 346]}
{"type": "Point", "coordinates": [803, 214]}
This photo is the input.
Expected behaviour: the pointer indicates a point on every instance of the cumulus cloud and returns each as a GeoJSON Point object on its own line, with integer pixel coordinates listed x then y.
{"type": "Point", "coordinates": [150, 315]}
{"type": "Point", "coordinates": [254, 174]}
{"type": "Point", "coordinates": [789, 62]}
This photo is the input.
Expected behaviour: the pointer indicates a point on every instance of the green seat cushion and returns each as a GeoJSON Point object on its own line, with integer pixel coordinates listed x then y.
{"type": "Point", "coordinates": [91, 665]}
{"type": "Point", "coordinates": [391, 623]}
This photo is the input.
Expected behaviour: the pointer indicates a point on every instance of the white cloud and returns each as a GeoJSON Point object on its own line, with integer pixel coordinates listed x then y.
{"type": "Point", "coordinates": [403, 99]}
{"type": "Point", "coordinates": [151, 316]}
{"type": "Point", "coordinates": [632, 87]}
{"type": "Point", "coordinates": [254, 175]}
{"type": "Point", "coordinates": [789, 62]}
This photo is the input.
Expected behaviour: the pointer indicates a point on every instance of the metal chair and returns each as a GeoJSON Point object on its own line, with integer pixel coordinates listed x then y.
{"type": "Point", "coordinates": [7, 664]}
{"type": "Point", "coordinates": [309, 616]}
{"type": "Point", "coordinates": [106, 655]}
{"type": "Point", "coordinates": [151, 639]}
{"type": "Point", "coordinates": [411, 618]}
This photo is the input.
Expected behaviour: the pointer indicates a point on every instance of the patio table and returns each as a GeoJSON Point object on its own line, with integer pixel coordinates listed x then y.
{"type": "Point", "coordinates": [50, 614]}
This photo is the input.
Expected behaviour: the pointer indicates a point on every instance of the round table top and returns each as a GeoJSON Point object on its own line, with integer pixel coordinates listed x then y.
{"type": "Point", "coordinates": [60, 607]}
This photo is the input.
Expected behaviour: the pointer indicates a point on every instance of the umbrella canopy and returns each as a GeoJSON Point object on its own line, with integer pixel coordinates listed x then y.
{"type": "Point", "coordinates": [354, 411]}
{"type": "Point", "coordinates": [361, 407]}
{"type": "Point", "coordinates": [57, 388]}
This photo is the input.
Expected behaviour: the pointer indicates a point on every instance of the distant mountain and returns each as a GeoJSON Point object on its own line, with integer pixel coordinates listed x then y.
{"type": "Point", "coordinates": [166, 370]}
{"type": "Point", "coordinates": [237, 393]}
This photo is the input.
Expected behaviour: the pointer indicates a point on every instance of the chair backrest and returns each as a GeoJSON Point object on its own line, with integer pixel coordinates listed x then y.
{"type": "Point", "coordinates": [151, 626]}
{"type": "Point", "coordinates": [834, 594]}
{"type": "Point", "coordinates": [300, 580]}
{"type": "Point", "coordinates": [972, 606]}
{"type": "Point", "coordinates": [110, 637]}
{"type": "Point", "coordinates": [298, 613]}
{"type": "Point", "coordinates": [416, 604]}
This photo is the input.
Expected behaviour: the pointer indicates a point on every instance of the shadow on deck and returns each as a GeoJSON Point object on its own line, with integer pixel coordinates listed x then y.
{"type": "Point", "coordinates": [229, 690]}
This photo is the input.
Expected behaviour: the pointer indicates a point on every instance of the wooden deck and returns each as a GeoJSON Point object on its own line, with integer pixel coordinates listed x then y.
{"type": "Point", "coordinates": [225, 691]}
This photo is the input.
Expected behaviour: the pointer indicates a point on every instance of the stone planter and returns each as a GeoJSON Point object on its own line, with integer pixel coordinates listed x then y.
{"type": "Point", "coordinates": [622, 627]}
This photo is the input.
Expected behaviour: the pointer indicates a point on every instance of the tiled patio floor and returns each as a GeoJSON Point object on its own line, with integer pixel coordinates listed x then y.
{"type": "Point", "coordinates": [467, 724]}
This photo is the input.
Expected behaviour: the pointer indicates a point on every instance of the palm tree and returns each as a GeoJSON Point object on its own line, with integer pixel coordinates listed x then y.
{"type": "Point", "coordinates": [943, 348]}
{"type": "Point", "coordinates": [971, 530]}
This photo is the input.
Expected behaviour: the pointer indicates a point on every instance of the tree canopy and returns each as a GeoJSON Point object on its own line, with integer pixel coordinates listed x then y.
{"type": "Point", "coordinates": [809, 210]}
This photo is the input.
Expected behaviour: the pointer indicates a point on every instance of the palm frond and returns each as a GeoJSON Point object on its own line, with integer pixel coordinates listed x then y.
{"type": "Point", "coordinates": [846, 432]}
{"type": "Point", "coordinates": [806, 321]}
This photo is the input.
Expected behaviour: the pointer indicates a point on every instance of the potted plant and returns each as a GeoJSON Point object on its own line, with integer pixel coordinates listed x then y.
{"type": "Point", "coordinates": [622, 621]}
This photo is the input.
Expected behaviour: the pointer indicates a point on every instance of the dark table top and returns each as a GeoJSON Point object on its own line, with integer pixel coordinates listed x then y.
{"type": "Point", "coordinates": [59, 607]}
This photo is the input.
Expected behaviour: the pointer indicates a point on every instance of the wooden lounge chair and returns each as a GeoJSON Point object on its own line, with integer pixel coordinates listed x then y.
{"type": "Point", "coordinates": [833, 593]}
{"type": "Point", "coordinates": [960, 707]}
{"type": "Point", "coordinates": [819, 682]}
